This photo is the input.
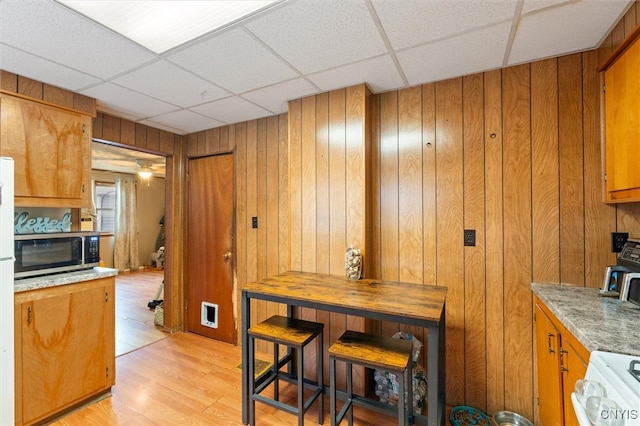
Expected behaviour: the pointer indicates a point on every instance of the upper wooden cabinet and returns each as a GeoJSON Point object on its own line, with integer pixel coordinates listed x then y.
{"type": "Point", "coordinates": [622, 124]}
{"type": "Point", "coordinates": [51, 148]}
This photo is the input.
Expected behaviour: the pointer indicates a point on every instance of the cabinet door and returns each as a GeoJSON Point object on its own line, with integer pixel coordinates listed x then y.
{"type": "Point", "coordinates": [574, 367]}
{"type": "Point", "coordinates": [622, 126]}
{"type": "Point", "coordinates": [64, 349]}
{"type": "Point", "coordinates": [549, 378]}
{"type": "Point", "coordinates": [51, 148]}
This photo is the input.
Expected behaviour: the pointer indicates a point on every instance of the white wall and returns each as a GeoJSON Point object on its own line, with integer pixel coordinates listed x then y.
{"type": "Point", "coordinates": [151, 202]}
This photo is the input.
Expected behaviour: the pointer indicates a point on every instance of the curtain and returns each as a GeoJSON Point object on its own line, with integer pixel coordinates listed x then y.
{"type": "Point", "coordinates": [125, 253]}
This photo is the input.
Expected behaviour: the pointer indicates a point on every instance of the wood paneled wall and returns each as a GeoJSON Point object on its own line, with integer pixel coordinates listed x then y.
{"type": "Point", "coordinates": [329, 175]}
{"type": "Point", "coordinates": [261, 155]}
{"type": "Point", "coordinates": [515, 155]}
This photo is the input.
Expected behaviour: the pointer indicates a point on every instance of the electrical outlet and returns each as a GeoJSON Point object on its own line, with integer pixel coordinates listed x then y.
{"type": "Point", "coordinates": [617, 241]}
{"type": "Point", "coordinates": [469, 237]}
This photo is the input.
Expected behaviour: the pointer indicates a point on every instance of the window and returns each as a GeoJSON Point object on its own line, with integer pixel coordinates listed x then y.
{"type": "Point", "coordinates": [105, 206]}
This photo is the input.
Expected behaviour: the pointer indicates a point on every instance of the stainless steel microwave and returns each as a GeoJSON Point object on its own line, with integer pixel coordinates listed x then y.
{"type": "Point", "coordinates": [41, 254]}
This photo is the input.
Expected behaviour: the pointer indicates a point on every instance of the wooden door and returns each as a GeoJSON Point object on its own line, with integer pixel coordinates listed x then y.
{"type": "Point", "coordinates": [210, 247]}
{"type": "Point", "coordinates": [549, 379]}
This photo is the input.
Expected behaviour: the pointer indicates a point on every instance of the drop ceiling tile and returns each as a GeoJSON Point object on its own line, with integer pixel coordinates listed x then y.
{"type": "Point", "coordinates": [379, 73]}
{"type": "Point", "coordinates": [234, 60]}
{"type": "Point", "coordinates": [533, 5]}
{"type": "Point", "coordinates": [276, 98]}
{"type": "Point", "coordinates": [414, 22]}
{"type": "Point", "coordinates": [165, 81]}
{"type": "Point", "coordinates": [182, 122]}
{"type": "Point", "coordinates": [54, 32]}
{"type": "Point", "coordinates": [571, 28]}
{"type": "Point", "coordinates": [231, 110]}
{"type": "Point", "coordinates": [30, 66]}
{"type": "Point", "coordinates": [474, 52]}
{"type": "Point", "coordinates": [120, 99]}
{"type": "Point", "coordinates": [316, 35]}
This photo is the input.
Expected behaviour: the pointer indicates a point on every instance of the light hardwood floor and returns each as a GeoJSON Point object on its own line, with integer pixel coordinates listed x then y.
{"type": "Point", "coordinates": [187, 379]}
{"type": "Point", "coordinates": [134, 320]}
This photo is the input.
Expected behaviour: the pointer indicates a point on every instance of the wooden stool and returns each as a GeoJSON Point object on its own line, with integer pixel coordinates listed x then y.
{"type": "Point", "coordinates": [295, 334]}
{"type": "Point", "coordinates": [368, 350]}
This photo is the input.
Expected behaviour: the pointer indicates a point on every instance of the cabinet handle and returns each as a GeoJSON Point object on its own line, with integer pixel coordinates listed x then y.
{"type": "Point", "coordinates": [562, 353]}
{"type": "Point", "coordinates": [83, 128]}
{"type": "Point", "coordinates": [29, 315]}
{"type": "Point", "coordinates": [549, 337]}
{"type": "Point", "coordinates": [106, 296]}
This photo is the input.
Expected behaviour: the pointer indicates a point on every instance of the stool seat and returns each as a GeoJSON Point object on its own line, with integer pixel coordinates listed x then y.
{"type": "Point", "coordinates": [295, 334]}
{"type": "Point", "coordinates": [373, 351]}
{"type": "Point", "coordinates": [385, 353]}
{"type": "Point", "coordinates": [286, 331]}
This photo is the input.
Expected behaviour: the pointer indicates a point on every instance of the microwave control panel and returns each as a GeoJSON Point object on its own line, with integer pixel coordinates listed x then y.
{"type": "Point", "coordinates": [630, 254]}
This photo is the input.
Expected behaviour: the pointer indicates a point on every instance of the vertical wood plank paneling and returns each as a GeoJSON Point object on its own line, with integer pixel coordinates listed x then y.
{"type": "Point", "coordinates": [323, 229]}
{"type": "Point", "coordinates": [8, 81]}
{"type": "Point", "coordinates": [283, 193]}
{"type": "Point", "coordinates": [272, 182]}
{"type": "Point", "coordinates": [224, 143]}
{"type": "Point", "coordinates": [355, 192]}
{"type": "Point", "coordinates": [450, 272]}
{"type": "Point", "coordinates": [295, 185]}
{"type": "Point", "coordinates": [410, 185]}
{"type": "Point", "coordinates": [337, 201]}
{"type": "Point", "coordinates": [599, 218]}
{"type": "Point", "coordinates": [355, 162]}
{"type": "Point", "coordinates": [517, 240]}
{"type": "Point", "coordinates": [545, 178]}
{"type": "Point", "coordinates": [212, 138]}
{"type": "Point", "coordinates": [375, 206]}
{"type": "Point", "coordinates": [239, 140]}
{"type": "Point", "coordinates": [261, 193]}
{"type": "Point", "coordinates": [140, 139]}
{"type": "Point", "coordinates": [192, 145]}
{"type": "Point", "coordinates": [429, 225]}
{"type": "Point", "coordinates": [111, 128]}
{"type": "Point", "coordinates": [389, 187]}
{"type": "Point", "coordinates": [57, 96]}
{"type": "Point", "coordinates": [474, 257]}
{"type": "Point", "coordinates": [128, 133]}
{"type": "Point", "coordinates": [571, 169]}
{"type": "Point", "coordinates": [29, 87]}
{"type": "Point", "coordinates": [337, 182]}
{"type": "Point", "coordinates": [308, 184]}
{"type": "Point", "coordinates": [153, 139]}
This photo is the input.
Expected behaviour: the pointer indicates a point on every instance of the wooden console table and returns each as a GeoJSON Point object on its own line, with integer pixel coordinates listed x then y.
{"type": "Point", "coordinates": [411, 304]}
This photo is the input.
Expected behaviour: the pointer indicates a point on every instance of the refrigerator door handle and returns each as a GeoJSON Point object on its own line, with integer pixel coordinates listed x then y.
{"type": "Point", "coordinates": [11, 258]}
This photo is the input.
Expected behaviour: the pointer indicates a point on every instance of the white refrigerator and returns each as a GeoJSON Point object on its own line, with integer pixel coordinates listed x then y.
{"type": "Point", "coordinates": [7, 398]}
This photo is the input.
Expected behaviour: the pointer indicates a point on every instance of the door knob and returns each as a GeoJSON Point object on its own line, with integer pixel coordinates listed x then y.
{"type": "Point", "coordinates": [226, 255]}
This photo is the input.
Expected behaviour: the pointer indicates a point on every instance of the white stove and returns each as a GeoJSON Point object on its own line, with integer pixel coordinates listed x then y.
{"type": "Point", "coordinates": [622, 386]}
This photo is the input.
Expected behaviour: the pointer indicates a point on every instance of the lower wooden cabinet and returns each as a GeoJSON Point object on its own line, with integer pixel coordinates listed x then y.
{"type": "Point", "coordinates": [65, 347]}
{"type": "Point", "coordinates": [561, 360]}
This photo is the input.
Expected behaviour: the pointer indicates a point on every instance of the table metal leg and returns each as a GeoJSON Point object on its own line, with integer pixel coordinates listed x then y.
{"type": "Point", "coordinates": [246, 321]}
{"type": "Point", "coordinates": [436, 373]}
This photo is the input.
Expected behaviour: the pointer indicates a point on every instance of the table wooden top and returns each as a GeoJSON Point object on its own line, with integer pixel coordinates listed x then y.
{"type": "Point", "coordinates": [419, 302]}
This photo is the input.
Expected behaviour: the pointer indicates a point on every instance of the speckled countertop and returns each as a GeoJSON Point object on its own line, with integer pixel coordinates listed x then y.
{"type": "Point", "coordinates": [599, 323]}
{"type": "Point", "coordinates": [35, 283]}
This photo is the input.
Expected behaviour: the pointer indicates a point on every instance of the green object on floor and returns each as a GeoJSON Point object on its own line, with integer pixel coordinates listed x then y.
{"type": "Point", "coordinates": [468, 416]}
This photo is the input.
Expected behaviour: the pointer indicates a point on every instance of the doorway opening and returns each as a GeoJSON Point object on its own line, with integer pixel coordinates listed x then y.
{"type": "Point", "coordinates": [136, 248]}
